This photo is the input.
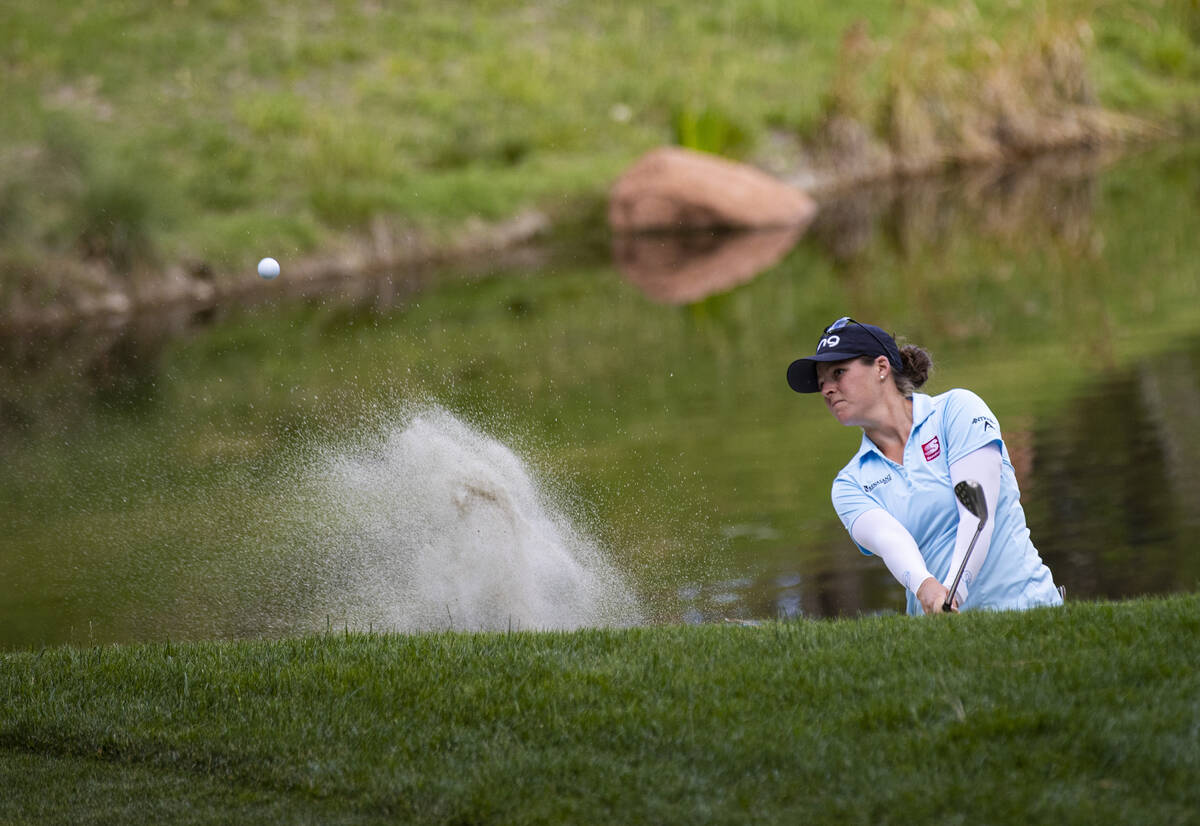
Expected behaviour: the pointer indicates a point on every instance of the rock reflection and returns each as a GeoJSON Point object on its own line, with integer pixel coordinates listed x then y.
{"type": "Point", "coordinates": [682, 268]}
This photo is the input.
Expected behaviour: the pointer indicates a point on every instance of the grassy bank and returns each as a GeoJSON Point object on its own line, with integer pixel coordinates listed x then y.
{"type": "Point", "coordinates": [192, 139]}
{"type": "Point", "coordinates": [1080, 715]}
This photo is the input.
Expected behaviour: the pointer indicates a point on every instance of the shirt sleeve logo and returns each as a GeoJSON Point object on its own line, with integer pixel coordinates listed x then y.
{"type": "Point", "coordinates": [932, 449]}
{"type": "Point", "coordinates": [988, 424]}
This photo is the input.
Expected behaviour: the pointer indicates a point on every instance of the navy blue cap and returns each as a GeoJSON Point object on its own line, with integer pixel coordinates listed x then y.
{"type": "Point", "coordinates": [843, 339]}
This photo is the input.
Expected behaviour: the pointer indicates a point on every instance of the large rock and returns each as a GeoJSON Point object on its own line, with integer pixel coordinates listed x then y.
{"type": "Point", "coordinates": [678, 189]}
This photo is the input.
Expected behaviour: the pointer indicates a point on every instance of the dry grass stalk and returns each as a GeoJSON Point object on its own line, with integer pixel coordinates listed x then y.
{"type": "Point", "coordinates": [955, 96]}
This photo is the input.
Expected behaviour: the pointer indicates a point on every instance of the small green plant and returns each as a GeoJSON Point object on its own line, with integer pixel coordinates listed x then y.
{"type": "Point", "coordinates": [1172, 52]}
{"type": "Point", "coordinates": [708, 130]}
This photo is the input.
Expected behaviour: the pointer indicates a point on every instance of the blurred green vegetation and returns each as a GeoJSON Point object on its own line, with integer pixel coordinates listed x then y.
{"type": "Point", "coordinates": [146, 134]}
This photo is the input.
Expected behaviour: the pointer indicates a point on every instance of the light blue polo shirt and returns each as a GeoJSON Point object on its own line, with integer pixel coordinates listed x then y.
{"type": "Point", "coordinates": [920, 495]}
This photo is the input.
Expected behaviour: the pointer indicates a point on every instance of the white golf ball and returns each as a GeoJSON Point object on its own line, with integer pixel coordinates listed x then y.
{"type": "Point", "coordinates": [268, 268]}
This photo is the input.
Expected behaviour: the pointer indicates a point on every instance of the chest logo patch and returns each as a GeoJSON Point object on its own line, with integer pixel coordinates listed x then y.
{"type": "Point", "coordinates": [932, 449]}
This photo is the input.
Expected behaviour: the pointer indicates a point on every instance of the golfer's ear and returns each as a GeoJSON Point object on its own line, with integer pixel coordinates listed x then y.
{"type": "Point", "coordinates": [882, 363]}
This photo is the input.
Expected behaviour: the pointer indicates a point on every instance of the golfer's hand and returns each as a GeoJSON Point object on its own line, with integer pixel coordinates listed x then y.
{"type": "Point", "coordinates": [932, 596]}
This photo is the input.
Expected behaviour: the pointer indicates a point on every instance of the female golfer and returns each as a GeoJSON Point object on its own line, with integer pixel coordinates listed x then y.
{"type": "Point", "coordinates": [896, 496]}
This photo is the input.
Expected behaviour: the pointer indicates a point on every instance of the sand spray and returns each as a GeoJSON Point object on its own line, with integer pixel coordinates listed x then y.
{"type": "Point", "coordinates": [437, 525]}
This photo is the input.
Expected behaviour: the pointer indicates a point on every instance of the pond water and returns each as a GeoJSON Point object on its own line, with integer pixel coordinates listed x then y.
{"type": "Point", "coordinates": [603, 434]}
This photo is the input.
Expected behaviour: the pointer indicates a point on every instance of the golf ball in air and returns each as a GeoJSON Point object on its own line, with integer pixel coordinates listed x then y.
{"type": "Point", "coordinates": [268, 268]}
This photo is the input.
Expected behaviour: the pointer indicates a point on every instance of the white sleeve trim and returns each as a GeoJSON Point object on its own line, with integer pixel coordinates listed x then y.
{"type": "Point", "coordinates": [983, 465]}
{"type": "Point", "coordinates": [883, 535]}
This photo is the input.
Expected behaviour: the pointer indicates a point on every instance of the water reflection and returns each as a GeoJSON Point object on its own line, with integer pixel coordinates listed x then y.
{"type": "Point", "coordinates": [1053, 196]}
{"type": "Point", "coordinates": [1117, 481]}
{"type": "Point", "coordinates": [146, 467]}
{"type": "Point", "coordinates": [53, 375]}
{"type": "Point", "coordinates": [685, 267]}
{"type": "Point", "coordinates": [48, 377]}
{"type": "Point", "coordinates": [851, 587]}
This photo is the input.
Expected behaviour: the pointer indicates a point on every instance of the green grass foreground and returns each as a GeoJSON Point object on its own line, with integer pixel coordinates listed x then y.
{"type": "Point", "coordinates": [1085, 714]}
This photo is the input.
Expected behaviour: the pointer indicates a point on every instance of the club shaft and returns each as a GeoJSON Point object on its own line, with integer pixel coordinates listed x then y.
{"type": "Point", "coordinates": [961, 568]}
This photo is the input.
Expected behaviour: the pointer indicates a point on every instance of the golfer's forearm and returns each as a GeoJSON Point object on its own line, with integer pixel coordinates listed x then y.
{"type": "Point", "coordinates": [982, 465]}
{"type": "Point", "coordinates": [883, 535]}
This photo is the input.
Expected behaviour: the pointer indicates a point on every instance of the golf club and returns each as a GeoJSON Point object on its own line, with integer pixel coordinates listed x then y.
{"type": "Point", "coordinates": [970, 493]}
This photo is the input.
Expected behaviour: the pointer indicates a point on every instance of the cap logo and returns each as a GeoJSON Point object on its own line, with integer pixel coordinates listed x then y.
{"type": "Point", "coordinates": [829, 341]}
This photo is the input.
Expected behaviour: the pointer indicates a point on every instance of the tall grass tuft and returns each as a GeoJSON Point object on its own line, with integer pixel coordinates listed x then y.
{"type": "Point", "coordinates": [957, 90]}
{"type": "Point", "coordinates": [708, 130]}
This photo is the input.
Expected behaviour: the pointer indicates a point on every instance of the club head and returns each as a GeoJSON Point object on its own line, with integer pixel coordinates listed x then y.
{"type": "Point", "coordinates": [970, 493]}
